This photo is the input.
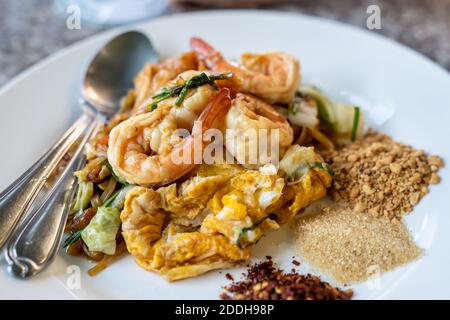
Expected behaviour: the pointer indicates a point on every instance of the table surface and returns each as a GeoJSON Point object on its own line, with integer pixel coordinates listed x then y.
{"type": "Point", "coordinates": [32, 29]}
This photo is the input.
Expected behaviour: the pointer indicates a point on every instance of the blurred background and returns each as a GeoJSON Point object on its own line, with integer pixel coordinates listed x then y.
{"type": "Point", "coordinates": [32, 29]}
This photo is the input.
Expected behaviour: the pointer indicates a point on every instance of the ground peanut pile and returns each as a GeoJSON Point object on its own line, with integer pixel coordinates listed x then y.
{"type": "Point", "coordinates": [264, 281]}
{"type": "Point", "coordinates": [353, 247]}
{"type": "Point", "coordinates": [380, 176]}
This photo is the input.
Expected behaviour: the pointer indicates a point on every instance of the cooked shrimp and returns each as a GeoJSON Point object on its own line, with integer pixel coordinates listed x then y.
{"type": "Point", "coordinates": [194, 103]}
{"type": "Point", "coordinates": [142, 150]}
{"type": "Point", "coordinates": [273, 76]}
{"type": "Point", "coordinates": [154, 76]}
{"type": "Point", "coordinates": [247, 116]}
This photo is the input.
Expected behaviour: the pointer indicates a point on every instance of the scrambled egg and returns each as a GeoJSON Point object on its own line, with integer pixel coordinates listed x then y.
{"type": "Point", "coordinates": [142, 221]}
{"type": "Point", "coordinates": [238, 207]}
{"type": "Point", "coordinates": [189, 254]}
{"type": "Point", "coordinates": [211, 220]}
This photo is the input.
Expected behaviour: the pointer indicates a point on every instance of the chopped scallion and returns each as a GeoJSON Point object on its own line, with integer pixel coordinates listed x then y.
{"type": "Point", "coordinates": [72, 238]}
{"type": "Point", "coordinates": [355, 123]}
{"type": "Point", "coordinates": [115, 176]}
{"type": "Point", "coordinates": [182, 90]}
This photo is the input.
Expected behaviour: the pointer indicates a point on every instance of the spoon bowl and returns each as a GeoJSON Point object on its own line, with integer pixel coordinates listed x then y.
{"type": "Point", "coordinates": [111, 72]}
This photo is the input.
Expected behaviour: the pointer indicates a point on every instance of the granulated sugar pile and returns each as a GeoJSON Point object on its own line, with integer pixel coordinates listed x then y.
{"type": "Point", "coordinates": [361, 234]}
{"type": "Point", "coordinates": [380, 176]}
{"type": "Point", "coordinates": [350, 246]}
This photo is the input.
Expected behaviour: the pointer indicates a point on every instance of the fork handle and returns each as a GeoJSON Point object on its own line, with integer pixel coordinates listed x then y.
{"type": "Point", "coordinates": [17, 198]}
{"type": "Point", "coordinates": [36, 241]}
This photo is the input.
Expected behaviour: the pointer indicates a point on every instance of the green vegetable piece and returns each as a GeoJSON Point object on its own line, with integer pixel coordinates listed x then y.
{"type": "Point", "coordinates": [303, 170]}
{"type": "Point", "coordinates": [117, 200]}
{"type": "Point", "coordinates": [324, 105]}
{"type": "Point", "coordinates": [100, 234]}
{"type": "Point", "coordinates": [244, 232]}
{"type": "Point", "coordinates": [115, 176]}
{"type": "Point", "coordinates": [83, 197]}
{"type": "Point", "coordinates": [293, 107]}
{"type": "Point", "coordinates": [355, 123]}
{"type": "Point", "coordinates": [72, 238]}
{"type": "Point", "coordinates": [104, 172]}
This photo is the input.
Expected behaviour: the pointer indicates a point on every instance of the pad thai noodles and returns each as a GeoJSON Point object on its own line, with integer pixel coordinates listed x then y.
{"type": "Point", "coordinates": [148, 191]}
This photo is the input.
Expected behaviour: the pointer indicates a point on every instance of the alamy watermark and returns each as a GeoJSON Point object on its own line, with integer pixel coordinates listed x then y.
{"type": "Point", "coordinates": [73, 281]}
{"type": "Point", "coordinates": [244, 146]}
{"type": "Point", "coordinates": [73, 20]}
{"type": "Point", "coordinates": [374, 277]}
{"type": "Point", "coordinates": [373, 21]}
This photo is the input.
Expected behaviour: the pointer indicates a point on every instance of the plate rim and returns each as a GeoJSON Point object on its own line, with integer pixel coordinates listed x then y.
{"type": "Point", "coordinates": [103, 35]}
{"type": "Point", "coordinates": [77, 45]}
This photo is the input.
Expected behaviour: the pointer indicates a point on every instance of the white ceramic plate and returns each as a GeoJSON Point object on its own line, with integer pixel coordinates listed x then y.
{"type": "Point", "coordinates": [406, 95]}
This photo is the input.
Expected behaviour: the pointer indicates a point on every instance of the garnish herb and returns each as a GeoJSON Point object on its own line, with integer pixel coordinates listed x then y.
{"type": "Point", "coordinates": [355, 123]}
{"type": "Point", "coordinates": [244, 231]}
{"type": "Point", "coordinates": [111, 199]}
{"type": "Point", "coordinates": [72, 238]}
{"type": "Point", "coordinates": [293, 107]}
{"type": "Point", "coordinates": [323, 113]}
{"type": "Point", "coordinates": [322, 165]}
{"type": "Point", "coordinates": [163, 95]}
{"type": "Point", "coordinates": [118, 198]}
{"type": "Point", "coordinates": [182, 90]}
{"type": "Point", "coordinates": [115, 176]}
{"type": "Point", "coordinates": [300, 94]}
{"type": "Point", "coordinates": [303, 169]}
{"type": "Point", "coordinates": [324, 105]}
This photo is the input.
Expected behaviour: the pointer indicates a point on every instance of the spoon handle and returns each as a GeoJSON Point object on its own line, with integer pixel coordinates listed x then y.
{"type": "Point", "coordinates": [16, 199]}
{"type": "Point", "coordinates": [37, 240]}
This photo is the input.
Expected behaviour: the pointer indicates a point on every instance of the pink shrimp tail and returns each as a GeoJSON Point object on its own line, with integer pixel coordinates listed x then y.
{"type": "Point", "coordinates": [214, 112]}
{"type": "Point", "coordinates": [214, 61]}
{"type": "Point", "coordinates": [206, 52]}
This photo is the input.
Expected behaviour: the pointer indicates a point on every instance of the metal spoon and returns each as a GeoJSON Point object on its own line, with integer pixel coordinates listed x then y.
{"type": "Point", "coordinates": [108, 78]}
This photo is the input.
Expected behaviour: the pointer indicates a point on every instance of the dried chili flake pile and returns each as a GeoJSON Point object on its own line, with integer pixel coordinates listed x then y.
{"type": "Point", "coordinates": [264, 281]}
